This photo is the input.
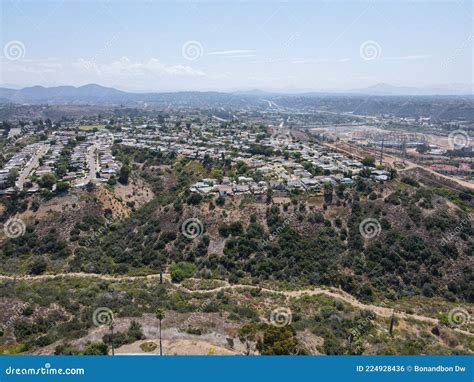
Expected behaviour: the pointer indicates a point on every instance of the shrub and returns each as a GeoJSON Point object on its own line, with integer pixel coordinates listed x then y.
{"type": "Point", "coordinates": [96, 348]}
{"type": "Point", "coordinates": [62, 187]}
{"type": "Point", "coordinates": [181, 271]}
{"type": "Point", "coordinates": [148, 346]}
{"type": "Point", "coordinates": [410, 181]}
{"type": "Point", "coordinates": [38, 266]}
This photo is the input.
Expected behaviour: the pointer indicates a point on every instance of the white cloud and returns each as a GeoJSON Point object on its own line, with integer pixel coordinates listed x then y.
{"type": "Point", "coordinates": [30, 66]}
{"type": "Point", "coordinates": [235, 52]}
{"type": "Point", "coordinates": [269, 61]}
{"type": "Point", "coordinates": [408, 57]}
{"type": "Point", "coordinates": [298, 61]}
{"type": "Point", "coordinates": [240, 56]}
{"type": "Point", "coordinates": [125, 66]}
{"type": "Point", "coordinates": [309, 61]}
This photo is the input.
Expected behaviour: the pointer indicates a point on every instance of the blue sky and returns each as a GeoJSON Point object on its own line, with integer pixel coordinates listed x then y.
{"type": "Point", "coordinates": [229, 45]}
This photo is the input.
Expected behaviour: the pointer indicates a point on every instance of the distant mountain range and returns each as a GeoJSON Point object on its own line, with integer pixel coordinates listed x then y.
{"type": "Point", "coordinates": [65, 94]}
{"type": "Point", "coordinates": [95, 94]}
{"type": "Point", "coordinates": [387, 89]}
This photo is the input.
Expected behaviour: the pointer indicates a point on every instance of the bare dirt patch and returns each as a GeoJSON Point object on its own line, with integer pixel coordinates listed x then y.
{"type": "Point", "coordinates": [136, 192]}
{"type": "Point", "coordinates": [110, 201]}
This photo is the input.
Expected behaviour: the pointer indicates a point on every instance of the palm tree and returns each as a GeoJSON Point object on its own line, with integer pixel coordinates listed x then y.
{"type": "Point", "coordinates": [112, 337]}
{"type": "Point", "coordinates": [160, 314]}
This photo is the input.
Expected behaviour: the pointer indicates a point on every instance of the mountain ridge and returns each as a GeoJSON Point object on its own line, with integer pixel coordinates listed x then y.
{"type": "Point", "coordinates": [95, 93]}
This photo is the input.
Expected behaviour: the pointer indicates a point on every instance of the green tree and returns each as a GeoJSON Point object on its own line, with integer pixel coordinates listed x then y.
{"type": "Point", "coordinates": [62, 186]}
{"type": "Point", "coordinates": [194, 199]}
{"type": "Point", "coordinates": [269, 195]}
{"type": "Point", "coordinates": [47, 181]}
{"type": "Point", "coordinates": [135, 332]}
{"type": "Point", "coordinates": [328, 190]}
{"type": "Point", "coordinates": [12, 175]}
{"type": "Point", "coordinates": [369, 161]}
{"type": "Point", "coordinates": [248, 334]}
{"type": "Point", "coordinates": [124, 174]}
{"type": "Point", "coordinates": [278, 341]}
{"type": "Point", "coordinates": [90, 186]}
{"type": "Point", "coordinates": [38, 266]}
{"type": "Point", "coordinates": [422, 148]}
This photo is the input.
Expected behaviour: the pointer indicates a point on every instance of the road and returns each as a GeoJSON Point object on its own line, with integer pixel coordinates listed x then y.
{"type": "Point", "coordinates": [92, 164]}
{"type": "Point", "coordinates": [335, 293]}
{"type": "Point", "coordinates": [32, 164]}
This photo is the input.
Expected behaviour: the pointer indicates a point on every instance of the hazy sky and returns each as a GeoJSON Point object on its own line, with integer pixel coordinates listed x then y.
{"type": "Point", "coordinates": [227, 45]}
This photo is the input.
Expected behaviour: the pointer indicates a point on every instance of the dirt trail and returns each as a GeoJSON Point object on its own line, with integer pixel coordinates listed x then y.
{"type": "Point", "coordinates": [166, 276]}
{"type": "Point", "coordinates": [330, 292]}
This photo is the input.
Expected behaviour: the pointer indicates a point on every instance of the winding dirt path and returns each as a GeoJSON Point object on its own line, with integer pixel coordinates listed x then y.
{"type": "Point", "coordinates": [330, 292]}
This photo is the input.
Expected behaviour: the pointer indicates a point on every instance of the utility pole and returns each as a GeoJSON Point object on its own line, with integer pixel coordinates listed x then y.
{"type": "Point", "coordinates": [404, 149]}
{"type": "Point", "coordinates": [381, 151]}
{"type": "Point", "coordinates": [161, 344]}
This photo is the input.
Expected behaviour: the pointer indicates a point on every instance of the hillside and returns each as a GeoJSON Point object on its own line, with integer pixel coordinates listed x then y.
{"type": "Point", "coordinates": [418, 248]}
